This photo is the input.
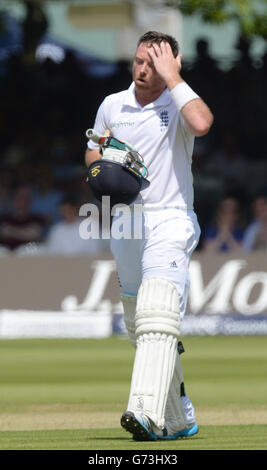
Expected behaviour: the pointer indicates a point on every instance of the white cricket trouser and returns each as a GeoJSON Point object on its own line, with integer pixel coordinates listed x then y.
{"type": "Point", "coordinates": [166, 241]}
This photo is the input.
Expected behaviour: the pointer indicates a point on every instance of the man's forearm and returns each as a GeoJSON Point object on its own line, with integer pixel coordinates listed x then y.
{"type": "Point", "coordinates": [91, 156]}
{"type": "Point", "coordinates": [198, 117]}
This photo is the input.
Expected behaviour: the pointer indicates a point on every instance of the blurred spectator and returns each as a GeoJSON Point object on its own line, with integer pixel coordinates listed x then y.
{"type": "Point", "coordinates": [228, 162]}
{"type": "Point", "coordinates": [6, 181]}
{"type": "Point", "coordinates": [34, 26]}
{"type": "Point", "coordinates": [20, 226]}
{"type": "Point", "coordinates": [123, 77]}
{"type": "Point", "coordinates": [46, 198]}
{"type": "Point", "coordinates": [205, 64]}
{"type": "Point", "coordinates": [255, 236]}
{"type": "Point", "coordinates": [244, 99]}
{"type": "Point", "coordinates": [204, 74]}
{"type": "Point", "coordinates": [64, 237]}
{"type": "Point", "coordinates": [244, 64]}
{"type": "Point", "coordinates": [225, 234]}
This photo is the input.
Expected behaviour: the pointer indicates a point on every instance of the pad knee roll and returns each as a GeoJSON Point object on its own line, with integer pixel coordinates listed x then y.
{"type": "Point", "coordinates": [157, 308]}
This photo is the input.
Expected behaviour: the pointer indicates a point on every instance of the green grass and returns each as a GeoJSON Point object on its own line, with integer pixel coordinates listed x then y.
{"type": "Point", "coordinates": [69, 394]}
{"type": "Point", "coordinates": [210, 438]}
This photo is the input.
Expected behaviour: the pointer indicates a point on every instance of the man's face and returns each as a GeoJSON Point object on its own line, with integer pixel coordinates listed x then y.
{"type": "Point", "coordinates": [144, 74]}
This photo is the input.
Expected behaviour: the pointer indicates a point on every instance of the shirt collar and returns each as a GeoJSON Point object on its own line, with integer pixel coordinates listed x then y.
{"type": "Point", "coordinates": [130, 99]}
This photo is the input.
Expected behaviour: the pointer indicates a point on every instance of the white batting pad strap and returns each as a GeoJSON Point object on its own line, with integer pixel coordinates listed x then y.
{"type": "Point", "coordinates": [152, 374]}
{"type": "Point", "coordinates": [129, 307]}
{"type": "Point", "coordinates": [182, 94]}
{"type": "Point", "coordinates": [180, 412]}
{"type": "Point", "coordinates": [157, 308]}
{"type": "Point", "coordinates": [175, 414]}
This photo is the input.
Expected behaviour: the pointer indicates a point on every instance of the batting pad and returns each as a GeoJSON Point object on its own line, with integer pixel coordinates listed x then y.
{"type": "Point", "coordinates": [129, 307]}
{"type": "Point", "coordinates": [157, 331]}
{"type": "Point", "coordinates": [157, 308]}
{"type": "Point", "coordinates": [180, 412]}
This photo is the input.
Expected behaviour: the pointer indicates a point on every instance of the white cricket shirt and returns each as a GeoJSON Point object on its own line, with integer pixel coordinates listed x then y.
{"type": "Point", "coordinates": [158, 132]}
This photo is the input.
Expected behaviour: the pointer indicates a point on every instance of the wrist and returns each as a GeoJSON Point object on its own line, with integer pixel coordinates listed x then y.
{"type": "Point", "coordinates": [182, 94]}
{"type": "Point", "coordinates": [173, 81]}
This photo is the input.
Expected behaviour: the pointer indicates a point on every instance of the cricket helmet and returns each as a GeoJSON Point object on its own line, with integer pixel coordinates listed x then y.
{"type": "Point", "coordinates": [120, 173]}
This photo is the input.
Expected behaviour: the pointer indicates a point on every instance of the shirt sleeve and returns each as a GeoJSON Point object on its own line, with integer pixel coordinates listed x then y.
{"type": "Point", "coordinates": [100, 124]}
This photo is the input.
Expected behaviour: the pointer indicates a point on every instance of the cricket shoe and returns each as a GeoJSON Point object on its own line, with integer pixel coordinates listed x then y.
{"type": "Point", "coordinates": [187, 432]}
{"type": "Point", "coordinates": [139, 425]}
{"type": "Point", "coordinates": [143, 429]}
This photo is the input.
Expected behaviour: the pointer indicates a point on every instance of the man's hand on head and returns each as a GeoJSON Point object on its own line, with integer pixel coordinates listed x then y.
{"type": "Point", "coordinates": [166, 65]}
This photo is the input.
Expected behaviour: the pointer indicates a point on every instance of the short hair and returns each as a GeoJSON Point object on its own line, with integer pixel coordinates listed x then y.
{"type": "Point", "coordinates": [156, 37]}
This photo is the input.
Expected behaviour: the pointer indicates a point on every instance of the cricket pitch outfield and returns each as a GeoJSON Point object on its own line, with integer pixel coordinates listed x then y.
{"type": "Point", "coordinates": [70, 394]}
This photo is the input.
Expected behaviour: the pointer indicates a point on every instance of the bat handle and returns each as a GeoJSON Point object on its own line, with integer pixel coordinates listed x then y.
{"type": "Point", "coordinates": [94, 136]}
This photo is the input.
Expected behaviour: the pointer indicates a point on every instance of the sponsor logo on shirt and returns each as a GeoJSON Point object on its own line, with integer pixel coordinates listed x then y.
{"type": "Point", "coordinates": [119, 124]}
